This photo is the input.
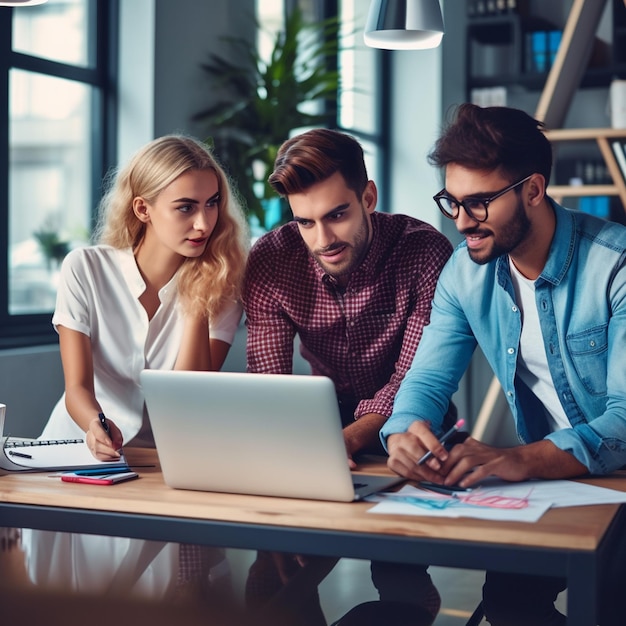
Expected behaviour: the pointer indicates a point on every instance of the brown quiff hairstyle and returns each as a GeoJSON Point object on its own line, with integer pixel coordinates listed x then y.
{"type": "Point", "coordinates": [204, 283]}
{"type": "Point", "coordinates": [494, 137]}
{"type": "Point", "coordinates": [316, 155]}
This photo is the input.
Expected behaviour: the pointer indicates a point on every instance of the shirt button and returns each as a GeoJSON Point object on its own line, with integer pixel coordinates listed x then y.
{"type": "Point", "coordinates": [509, 394]}
{"type": "Point", "coordinates": [592, 343]}
{"type": "Point", "coordinates": [511, 350]}
{"type": "Point", "coordinates": [514, 309]}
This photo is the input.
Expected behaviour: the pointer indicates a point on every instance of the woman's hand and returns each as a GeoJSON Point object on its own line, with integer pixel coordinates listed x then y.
{"type": "Point", "coordinates": [104, 446]}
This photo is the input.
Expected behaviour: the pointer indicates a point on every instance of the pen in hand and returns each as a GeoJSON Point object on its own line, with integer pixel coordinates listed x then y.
{"type": "Point", "coordinates": [103, 423]}
{"type": "Point", "coordinates": [443, 439]}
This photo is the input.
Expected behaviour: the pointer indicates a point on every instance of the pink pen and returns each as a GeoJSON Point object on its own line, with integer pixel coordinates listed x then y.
{"type": "Point", "coordinates": [443, 439]}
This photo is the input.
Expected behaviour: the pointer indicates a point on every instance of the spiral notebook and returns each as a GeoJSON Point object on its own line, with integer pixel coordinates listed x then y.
{"type": "Point", "coordinates": [39, 455]}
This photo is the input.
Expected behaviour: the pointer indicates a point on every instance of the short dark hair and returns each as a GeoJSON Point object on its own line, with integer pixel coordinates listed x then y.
{"type": "Point", "coordinates": [316, 155]}
{"type": "Point", "coordinates": [494, 137]}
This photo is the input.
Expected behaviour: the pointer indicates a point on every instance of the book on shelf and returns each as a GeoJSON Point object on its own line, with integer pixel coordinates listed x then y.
{"type": "Point", "coordinates": [481, 8]}
{"type": "Point", "coordinates": [619, 150]}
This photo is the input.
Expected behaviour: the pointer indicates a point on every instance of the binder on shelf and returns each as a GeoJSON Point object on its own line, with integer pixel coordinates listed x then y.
{"type": "Point", "coordinates": [595, 205]}
{"type": "Point", "coordinates": [480, 7]}
{"type": "Point", "coordinates": [554, 41]}
{"type": "Point", "coordinates": [537, 51]}
{"type": "Point", "coordinates": [542, 47]}
{"type": "Point", "coordinates": [491, 7]}
{"type": "Point", "coordinates": [620, 156]}
{"type": "Point", "coordinates": [489, 96]}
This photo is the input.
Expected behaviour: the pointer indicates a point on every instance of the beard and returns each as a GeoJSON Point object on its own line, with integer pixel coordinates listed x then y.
{"type": "Point", "coordinates": [358, 249]}
{"type": "Point", "coordinates": [512, 234]}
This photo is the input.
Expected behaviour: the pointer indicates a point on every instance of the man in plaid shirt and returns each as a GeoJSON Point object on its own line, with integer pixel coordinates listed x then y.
{"type": "Point", "coordinates": [356, 286]}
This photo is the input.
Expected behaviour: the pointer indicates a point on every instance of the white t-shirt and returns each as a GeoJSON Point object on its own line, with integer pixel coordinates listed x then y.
{"type": "Point", "coordinates": [98, 295]}
{"type": "Point", "coordinates": [532, 362]}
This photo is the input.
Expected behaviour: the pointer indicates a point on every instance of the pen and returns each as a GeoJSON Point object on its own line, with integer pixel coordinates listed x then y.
{"type": "Point", "coordinates": [20, 454]}
{"type": "Point", "coordinates": [451, 490]}
{"type": "Point", "coordinates": [443, 439]}
{"type": "Point", "coordinates": [107, 430]}
{"type": "Point", "coordinates": [103, 422]}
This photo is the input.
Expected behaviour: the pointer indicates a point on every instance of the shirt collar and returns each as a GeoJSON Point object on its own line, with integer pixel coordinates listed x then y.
{"type": "Point", "coordinates": [134, 280]}
{"type": "Point", "coordinates": [562, 246]}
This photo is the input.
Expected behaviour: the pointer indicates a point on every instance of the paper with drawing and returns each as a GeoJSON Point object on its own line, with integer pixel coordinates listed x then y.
{"type": "Point", "coordinates": [496, 500]}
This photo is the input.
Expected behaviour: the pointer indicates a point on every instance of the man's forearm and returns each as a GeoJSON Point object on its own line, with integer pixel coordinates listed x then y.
{"type": "Point", "coordinates": [545, 460]}
{"type": "Point", "coordinates": [363, 433]}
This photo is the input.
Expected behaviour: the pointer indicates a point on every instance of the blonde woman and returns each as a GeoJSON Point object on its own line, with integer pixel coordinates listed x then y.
{"type": "Point", "coordinates": [161, 291]}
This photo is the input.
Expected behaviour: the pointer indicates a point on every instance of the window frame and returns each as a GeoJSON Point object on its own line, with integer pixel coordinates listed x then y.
{"type": "Point", "coordinates": [382, 89]}
{"type": "Point", "coordinates": [381, 138]}
{"type": "Point", "coordinates": [36, 328]}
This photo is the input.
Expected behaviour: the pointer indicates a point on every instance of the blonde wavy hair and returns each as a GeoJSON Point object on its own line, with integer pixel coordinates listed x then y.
{"type": "Point", "coordinates": [204, 283]}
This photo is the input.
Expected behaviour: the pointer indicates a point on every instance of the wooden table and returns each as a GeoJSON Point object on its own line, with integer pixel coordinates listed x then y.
{"type": "Point", "coordinates": [570, 542]}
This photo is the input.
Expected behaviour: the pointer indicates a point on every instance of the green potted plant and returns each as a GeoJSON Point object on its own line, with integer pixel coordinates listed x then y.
{"type": "Point", "coordinates": [50, 243]}
{"type": "Point", "coordinates": [262, 102]}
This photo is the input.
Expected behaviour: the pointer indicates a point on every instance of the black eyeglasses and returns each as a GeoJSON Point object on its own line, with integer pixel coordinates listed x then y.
{"type": "Point", "coordinates": [476, 208]}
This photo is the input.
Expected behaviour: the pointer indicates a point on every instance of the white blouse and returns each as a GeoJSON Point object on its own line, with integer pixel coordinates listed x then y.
{"type": "Point", "coordinates": [98, 295]}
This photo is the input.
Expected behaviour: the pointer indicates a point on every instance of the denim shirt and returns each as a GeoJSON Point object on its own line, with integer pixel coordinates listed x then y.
{"type": "Point", "coordinates": [581, 300]}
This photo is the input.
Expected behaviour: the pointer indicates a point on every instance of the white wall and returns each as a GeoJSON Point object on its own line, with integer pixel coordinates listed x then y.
{"type": "Point", "coordinates": [187, 31]}
{"type": "Point", "coordinates": [162, 47]}
{"type": "Point", "coordinates": [136, 76]}
{"type": "Point", "coordinates": [415, 124]}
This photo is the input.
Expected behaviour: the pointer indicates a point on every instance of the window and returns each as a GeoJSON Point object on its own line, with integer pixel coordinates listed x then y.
{"type": "Point", "coordinates": [363, 101]}
{"type": "Point", "coordinates": [55, 117]}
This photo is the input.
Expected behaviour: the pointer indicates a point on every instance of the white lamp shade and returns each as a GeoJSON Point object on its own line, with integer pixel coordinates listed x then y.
{"type": "Point", "coordinates": [20, 3]}
{"type": "Point", "coordinates": [404, 24]}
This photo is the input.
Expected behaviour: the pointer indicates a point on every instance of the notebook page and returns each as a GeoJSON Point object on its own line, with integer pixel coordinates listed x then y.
{"type": "Point", "coordinates": [49, 455]}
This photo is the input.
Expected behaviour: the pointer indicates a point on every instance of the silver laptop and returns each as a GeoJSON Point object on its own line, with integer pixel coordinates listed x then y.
{"type": "Point", "coordinates": [259, 434]}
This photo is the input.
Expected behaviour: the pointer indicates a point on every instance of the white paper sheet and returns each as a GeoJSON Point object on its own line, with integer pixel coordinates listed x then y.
{"type": "Point", "coordinates": [496, 500]}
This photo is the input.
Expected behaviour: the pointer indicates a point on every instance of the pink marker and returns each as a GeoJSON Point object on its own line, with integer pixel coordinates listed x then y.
{"type": "Point", "coordinates": [443, 439]}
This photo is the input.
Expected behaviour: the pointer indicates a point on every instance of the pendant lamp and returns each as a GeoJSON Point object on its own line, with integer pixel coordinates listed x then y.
{"type": "Point", "coordinates": [404, 24]}
{"type": "Point", "coordinates": [20, 3]}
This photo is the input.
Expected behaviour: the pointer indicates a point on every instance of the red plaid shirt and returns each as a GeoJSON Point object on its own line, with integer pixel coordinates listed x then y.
{"type": "Point", "coordinates": [363, 337]}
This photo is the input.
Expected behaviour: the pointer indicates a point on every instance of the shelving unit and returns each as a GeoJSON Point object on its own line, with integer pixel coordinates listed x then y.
{"type": "Point", "coordinates": [500, 42]}
{"type": "Point", "coordinates": [496, 51]}
{"type": "Point", "coordinates": [602, 137]}
{"type": "Point", "coordinates": [564, 79]}
{"type": "Point", "coordinates": [498, 48]}
{"type": "Point", "coordinates": [571, 60]}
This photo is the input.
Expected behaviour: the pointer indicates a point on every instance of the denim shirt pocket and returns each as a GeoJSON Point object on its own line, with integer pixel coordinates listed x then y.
{"type": "Point", "coordinates": [588, 350]}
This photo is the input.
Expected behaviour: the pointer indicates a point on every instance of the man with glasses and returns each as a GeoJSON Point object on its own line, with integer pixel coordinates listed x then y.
{"type": "Point", "coordinates": [542, 290]}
